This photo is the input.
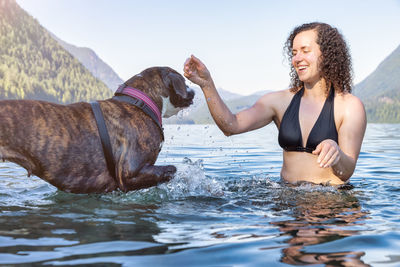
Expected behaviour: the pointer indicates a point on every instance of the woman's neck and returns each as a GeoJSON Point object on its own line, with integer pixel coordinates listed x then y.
{"type": "Point", "coordinates": [316, 89]}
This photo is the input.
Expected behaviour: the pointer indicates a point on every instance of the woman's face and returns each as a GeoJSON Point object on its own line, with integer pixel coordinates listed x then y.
{"type": "Point", "coordinates": [306, 55]}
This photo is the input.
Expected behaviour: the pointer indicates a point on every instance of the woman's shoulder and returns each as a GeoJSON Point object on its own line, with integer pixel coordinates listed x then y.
{"type": "Point", "coordinates": [349, 100]}
{"type": "Point", "coordinates": [349, 105]}
{"type": "Point", "coordinates": [280, 94]}
{"type": "Point", "coordinates": [277, 100]}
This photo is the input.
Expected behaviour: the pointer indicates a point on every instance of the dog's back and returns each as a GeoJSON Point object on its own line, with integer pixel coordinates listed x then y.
{"type": "Point", "coordinates": [58, 143]}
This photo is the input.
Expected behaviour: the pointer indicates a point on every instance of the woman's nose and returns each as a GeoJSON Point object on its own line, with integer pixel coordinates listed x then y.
{"type": "Point", "coordinates": [297, 58]}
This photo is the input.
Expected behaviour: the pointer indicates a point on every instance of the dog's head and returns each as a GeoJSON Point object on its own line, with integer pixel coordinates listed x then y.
{"type": "Point", "coordinates": [178, 95]}
{"type": "Point", "coordinates": [166, 87]}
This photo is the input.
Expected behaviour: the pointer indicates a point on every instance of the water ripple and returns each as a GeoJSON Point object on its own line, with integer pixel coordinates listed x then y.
{"type": "Point", "coordinates": [226, 205]}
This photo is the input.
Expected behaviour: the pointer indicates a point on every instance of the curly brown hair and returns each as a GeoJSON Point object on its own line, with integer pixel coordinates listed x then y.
{"type": "Point", "coordinates": [335, 62]}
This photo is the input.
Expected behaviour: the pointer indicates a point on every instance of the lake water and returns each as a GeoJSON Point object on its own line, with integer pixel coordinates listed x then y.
{"type": "Point", "coordinates": [225, 207]}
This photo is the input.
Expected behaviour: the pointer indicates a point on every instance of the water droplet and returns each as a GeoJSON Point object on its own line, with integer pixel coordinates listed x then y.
{"type": "Point", "coordinates": [186, 160]}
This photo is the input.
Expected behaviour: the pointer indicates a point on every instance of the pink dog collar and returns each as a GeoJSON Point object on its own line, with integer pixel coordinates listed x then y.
{"type": "Point", "coordinates": [135, 93]}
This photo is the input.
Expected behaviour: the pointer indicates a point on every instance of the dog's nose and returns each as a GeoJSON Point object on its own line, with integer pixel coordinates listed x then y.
{"type": "Point", "coordinates": [190, 93]}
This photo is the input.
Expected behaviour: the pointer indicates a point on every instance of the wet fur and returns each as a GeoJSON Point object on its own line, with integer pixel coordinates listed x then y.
{"type": "Point", "coordinates": [61, 144]}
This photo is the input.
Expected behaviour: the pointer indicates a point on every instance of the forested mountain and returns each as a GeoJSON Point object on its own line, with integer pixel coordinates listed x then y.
{"type": "Point", "coordinates": [33, 65]}
{"type": "Point", "coordinates": [380, 91]}
{"type": "Point", "coordinates": [93, 63]}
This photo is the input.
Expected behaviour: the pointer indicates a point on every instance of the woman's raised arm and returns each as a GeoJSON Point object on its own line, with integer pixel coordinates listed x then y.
{"type": "Point", "coordinates": [260, 114]}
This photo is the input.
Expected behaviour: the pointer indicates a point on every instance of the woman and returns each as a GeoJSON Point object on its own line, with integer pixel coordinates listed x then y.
{"type": "Point", "coordinates": [321, 124]}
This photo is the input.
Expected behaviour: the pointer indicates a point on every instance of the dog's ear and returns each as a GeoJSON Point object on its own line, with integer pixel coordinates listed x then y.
{"type": "Point", "coordinates": [176, 84]}
{"type": "Point", "coordinates": [179, 95]}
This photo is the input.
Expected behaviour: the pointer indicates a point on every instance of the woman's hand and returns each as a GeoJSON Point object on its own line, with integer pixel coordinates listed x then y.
{"type": "Point", "coordinates": [197, 72]}
{"type": "Point", "coordinates": [328, 152]}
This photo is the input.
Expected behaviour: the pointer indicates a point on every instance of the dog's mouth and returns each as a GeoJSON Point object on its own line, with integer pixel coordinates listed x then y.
{"type": "Point", "coordinates": [180, 101]}
{"type": "Point", "coordinates": [183, 102]}
{"type": "Point", "coordinates": [173, 104]}
{"type": "Point", "coordinates": [189, 99]}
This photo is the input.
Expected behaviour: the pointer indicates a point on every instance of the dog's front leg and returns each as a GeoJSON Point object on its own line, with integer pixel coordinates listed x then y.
{"type": "Point", "coordinates": [149, 176]}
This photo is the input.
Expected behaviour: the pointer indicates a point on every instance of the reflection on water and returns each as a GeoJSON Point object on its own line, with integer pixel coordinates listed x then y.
{"type": "Point", "coordinates": [320, 217]}
{"type": "Point", "coordinates": [226, 206]}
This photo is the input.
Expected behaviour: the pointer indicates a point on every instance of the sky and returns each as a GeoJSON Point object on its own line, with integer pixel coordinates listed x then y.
{"type": "Point", "coordinates": [240, 42]}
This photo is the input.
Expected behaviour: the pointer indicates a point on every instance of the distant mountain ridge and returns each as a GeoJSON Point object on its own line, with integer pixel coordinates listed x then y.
{"type": "Point", "coordinates": [383, 79]}
{"type": "Point", "coordinates": [380, 91]}
{"type": "Point", "coordinates": [93, 63]}
{"type": "Point", "coordinates": [203, 116]}
{"type": "Point", "coordinates": [33, 65]}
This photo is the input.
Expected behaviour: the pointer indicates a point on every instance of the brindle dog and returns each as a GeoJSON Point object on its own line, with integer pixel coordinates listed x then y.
{"type": "Point", "coordinates": [61, 143]}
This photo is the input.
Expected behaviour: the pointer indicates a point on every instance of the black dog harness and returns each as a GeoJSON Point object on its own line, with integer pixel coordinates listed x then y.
{"type": "Point", "coordinates": [134, 97]}
{"type": "Point", "coordinates": [105, 138]}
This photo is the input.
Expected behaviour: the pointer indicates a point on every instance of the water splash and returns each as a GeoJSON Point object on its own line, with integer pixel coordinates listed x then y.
{"type": "Point", "coordinates": [190, 180]}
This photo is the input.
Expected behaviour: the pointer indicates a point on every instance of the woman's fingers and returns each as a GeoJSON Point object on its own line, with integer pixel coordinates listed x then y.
{"type": "Point", "coordinates": [329, 158]}
{"type": "Point", "coordinates": [197, 72]}
{"type": "Point", "coordinates": [324, 155]}
{"type": "Point", "coordinates": [317, 150]}
{"type": "Point", "coordinates": [328, 152]}
{"type": "Point", "coordinates": [333, 160]}
{"type": "Point", "coordinates": [186, 66]}
{"type": "Point", "coordinates": [196, 60]}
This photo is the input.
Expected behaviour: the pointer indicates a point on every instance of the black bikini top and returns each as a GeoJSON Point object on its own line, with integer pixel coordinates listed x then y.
{"type": "Point", "coordinates": [290, 138]}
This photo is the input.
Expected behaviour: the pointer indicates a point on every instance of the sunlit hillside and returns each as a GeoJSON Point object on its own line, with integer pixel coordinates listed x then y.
{"type": "Point", "coordinates": [33, 65]}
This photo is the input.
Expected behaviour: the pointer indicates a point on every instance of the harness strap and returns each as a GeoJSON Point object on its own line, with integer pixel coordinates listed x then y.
{"type": "Point", "coordinates": [105, 139]}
